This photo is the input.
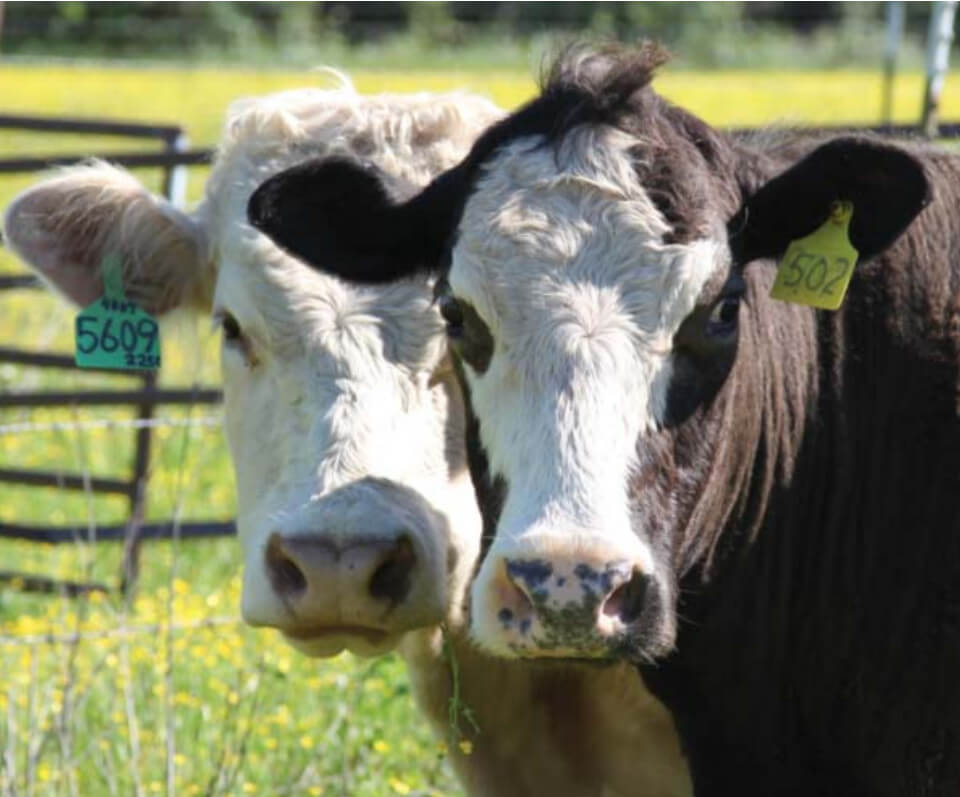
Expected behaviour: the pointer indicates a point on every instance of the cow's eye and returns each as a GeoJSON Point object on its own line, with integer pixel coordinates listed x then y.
{"type": "Point", "coordinates": [452, 313]}
{"type": "Point", "coordinates": [233, 337]}
{"type": "Point", "coordinates": [724, 316]}
{"type": "Point", "coordinates": [230, 327]}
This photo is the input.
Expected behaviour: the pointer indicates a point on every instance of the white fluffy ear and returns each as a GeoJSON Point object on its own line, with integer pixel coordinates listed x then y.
{"type": "Point", "coordinates": [65, 226]}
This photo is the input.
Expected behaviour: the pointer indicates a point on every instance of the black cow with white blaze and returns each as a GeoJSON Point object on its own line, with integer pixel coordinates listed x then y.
{"type": "Point", "coordinates": [755, 501]}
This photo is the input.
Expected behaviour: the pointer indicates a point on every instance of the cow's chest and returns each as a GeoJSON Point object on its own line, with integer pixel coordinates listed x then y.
{"type": "Point", "coordinates": [785, 682]}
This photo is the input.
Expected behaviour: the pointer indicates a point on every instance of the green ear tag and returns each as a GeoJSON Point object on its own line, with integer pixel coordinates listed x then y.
{"type": "Point", "coordinates": [113, 332]}
{"type": "Point", "coordinates": [817, 268]}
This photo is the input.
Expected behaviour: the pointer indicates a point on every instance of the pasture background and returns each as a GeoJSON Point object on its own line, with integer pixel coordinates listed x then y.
{"type": "Point", "coordinates": [172, 694]}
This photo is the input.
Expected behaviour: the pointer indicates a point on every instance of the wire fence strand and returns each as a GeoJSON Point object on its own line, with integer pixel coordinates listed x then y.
{"type": "Point", "coordinates": [122, 631]}
{"type": "Point", "coordinates": [107, 423]}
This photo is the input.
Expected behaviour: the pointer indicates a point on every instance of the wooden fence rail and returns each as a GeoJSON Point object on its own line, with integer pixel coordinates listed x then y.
{"type": "Point", "coordinates": [173, 159]}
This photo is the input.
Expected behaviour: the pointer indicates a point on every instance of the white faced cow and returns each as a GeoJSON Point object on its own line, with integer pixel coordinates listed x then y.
{"type": "Point", "coordinates": [757, 502]}
{"type": "Point", "coordinates": [356, 513]}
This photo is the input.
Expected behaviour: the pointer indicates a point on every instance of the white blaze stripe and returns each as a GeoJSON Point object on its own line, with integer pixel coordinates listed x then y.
{"type": "Point", "coordinates": [565, 264]}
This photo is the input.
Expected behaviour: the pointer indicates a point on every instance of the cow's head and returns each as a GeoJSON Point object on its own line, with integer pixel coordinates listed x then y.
{"type": "Point", "coordinates": [345, 423]}
{"type": "Point", "coordinates": [592, 251]}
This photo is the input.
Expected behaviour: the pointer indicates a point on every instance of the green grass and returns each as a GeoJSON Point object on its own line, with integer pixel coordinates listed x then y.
{"type": "Point", "coordinates": [188, 699]}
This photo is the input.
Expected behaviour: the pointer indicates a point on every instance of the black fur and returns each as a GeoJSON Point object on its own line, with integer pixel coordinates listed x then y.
{"type": "Point", "coordinates": [882, 180]}
{"type": "Point", "coordinates": [339, 214]}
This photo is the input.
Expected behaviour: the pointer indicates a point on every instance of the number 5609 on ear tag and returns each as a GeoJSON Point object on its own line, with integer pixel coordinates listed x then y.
{"type": "Point", "coordinates": [113, 332]}
{"type": "Point", "coordinates": [816, 269]}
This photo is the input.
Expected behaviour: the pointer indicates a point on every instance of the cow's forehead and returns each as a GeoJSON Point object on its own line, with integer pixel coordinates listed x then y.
{"type": "Point", "coordinates": [285, 303]}
{"type": "Point", "coordinates": [290, 306]}
{"type": "Point", "coordinates": [543, 224]}
{"type": "Point", "coordinates": [408, 138]}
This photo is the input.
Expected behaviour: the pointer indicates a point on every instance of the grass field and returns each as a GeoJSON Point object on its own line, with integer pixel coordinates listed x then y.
{"type": "Point", "coordinates": [172, 694]}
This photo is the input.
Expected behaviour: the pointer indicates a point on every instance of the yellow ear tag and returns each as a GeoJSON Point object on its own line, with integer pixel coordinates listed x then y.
{"type": "Point", "coordinates": [816, 269]}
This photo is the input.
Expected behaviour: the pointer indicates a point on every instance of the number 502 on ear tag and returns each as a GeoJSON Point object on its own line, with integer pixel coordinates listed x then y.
{"type": "Point", "coordinates": [113, 332]}
{"type": "Point", "coordinates": [816, 269]}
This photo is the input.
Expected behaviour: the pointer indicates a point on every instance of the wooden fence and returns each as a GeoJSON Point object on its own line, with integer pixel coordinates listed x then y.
{"type": "Point", "coordinates": [173, 159]}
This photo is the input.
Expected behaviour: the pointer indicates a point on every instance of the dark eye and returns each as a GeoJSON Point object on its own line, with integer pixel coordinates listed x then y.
{"type": "Point", "coordinates": [452, 313]}
{"type": "Point", "coordinates": [724, 316]}
{"type": "Point", "coordinates": [231, 329]}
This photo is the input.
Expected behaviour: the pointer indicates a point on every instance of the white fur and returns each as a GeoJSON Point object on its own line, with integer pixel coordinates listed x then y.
{"type": "Point", "coordinates": [342, 382]}
{"type": "Point", "coordinates": [561, 255]}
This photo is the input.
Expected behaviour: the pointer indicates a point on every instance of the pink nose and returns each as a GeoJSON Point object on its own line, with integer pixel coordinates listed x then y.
{"type": "Point", "coordinates": [355, 569]}
{"type": "Point", "coordinates": [322, 583]}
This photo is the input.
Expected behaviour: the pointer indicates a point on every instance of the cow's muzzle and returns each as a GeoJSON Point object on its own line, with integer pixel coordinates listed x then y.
{"type": "Point", "coordinates": [353, 570]}
{"type": "Point", "coordinates": [566, 600]}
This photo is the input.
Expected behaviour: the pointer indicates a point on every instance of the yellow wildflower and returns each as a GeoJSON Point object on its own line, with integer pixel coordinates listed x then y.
{"type": "Point", "coordinates": [399, 786]}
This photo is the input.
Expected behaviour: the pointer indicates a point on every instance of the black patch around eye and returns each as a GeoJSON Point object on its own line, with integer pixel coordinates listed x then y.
{"type": "Point", "coordinates": [704, 349]}
{"type": "Point", "coordinates": [468, 333]}
{"type": "Point", "coordinates": [475, 345]}
{"type": "Point", "coordinates": [729, 309]}
{"type": "Point", "coordinates": [724, 317]}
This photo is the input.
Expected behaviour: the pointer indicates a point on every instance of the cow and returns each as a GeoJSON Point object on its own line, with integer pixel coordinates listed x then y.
{"type": "Point", "coordinates": [356, 512]}
{"type": "Point", "coordinates": [755, 501]}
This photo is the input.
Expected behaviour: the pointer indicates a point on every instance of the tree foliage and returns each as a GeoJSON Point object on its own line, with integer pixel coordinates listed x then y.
{"type": "Point", "coordinates": [707, 33]}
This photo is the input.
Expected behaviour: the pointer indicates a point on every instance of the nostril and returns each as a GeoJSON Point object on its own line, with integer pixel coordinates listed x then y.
{"type": "Point", "coordinates": [393, 576]}
{"type": "Point", "coordinates": [626, 602]}
{"type": "Point", "coordinates": [518, 588]}
{"type": "Point", "coordinates": [286, 577]}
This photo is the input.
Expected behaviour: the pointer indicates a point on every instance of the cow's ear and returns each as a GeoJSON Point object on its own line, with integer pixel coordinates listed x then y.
{"type": "Point", "coordinates": [336, 215]}
{"type": "Point", "coordinates": [65, 226]}
{"type": "Point", "coordinates": [886, 184]}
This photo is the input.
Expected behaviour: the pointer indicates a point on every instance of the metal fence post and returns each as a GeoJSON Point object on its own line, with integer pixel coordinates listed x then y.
{"type": "Point", "coordinates": [939, 39]}
{"type": "Point", "coordinates": [894, 35]}
{"type": "Point", "coordinates": [175, 177]}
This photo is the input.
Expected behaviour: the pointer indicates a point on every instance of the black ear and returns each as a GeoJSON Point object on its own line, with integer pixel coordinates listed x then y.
{"type": "Point", "coordinates": [336, 215]}
{"type": "Point", "coordinates": [886, 184]}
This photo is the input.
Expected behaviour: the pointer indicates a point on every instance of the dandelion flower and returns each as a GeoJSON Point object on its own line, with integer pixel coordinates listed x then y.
{"type": "Point", "coordinates": [399, 786]}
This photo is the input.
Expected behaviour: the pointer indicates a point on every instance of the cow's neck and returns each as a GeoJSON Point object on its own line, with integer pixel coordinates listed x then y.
{"type": "Point", "coordinates": [828, 619]}
{"type": "Point", "coordinates": [545, 728]}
